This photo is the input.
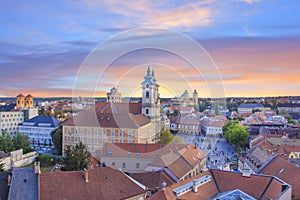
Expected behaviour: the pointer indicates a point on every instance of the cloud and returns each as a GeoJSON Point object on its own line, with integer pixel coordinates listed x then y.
{"type": "Point", "coordinates": [248, 1]}
{"type": "Point", "coordinates": [161, 13]}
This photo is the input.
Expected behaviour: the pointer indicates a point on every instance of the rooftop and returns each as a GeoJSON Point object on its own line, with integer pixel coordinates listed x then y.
{"type": "Point", "coordinates": [103, 183]}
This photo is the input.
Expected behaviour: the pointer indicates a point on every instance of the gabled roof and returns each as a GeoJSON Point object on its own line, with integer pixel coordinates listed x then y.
{"type": "Point", "coordinates": [226, 181]}
{"type": "Point", "coordinates": [103, 183]}
{"type": "Point", "coordinates": [153, 179]}
{"type": "Point", "coordinates": [24, 184]}
{"type": "Point", "coordinates": [20, 95]}
{"type": "Point", "coordinates": [286, 171]}
{"type": "Point", "coordinates": [111, 115]}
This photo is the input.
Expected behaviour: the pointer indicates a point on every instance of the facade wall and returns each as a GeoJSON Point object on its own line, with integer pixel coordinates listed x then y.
{"type": "Point", "coordinates": [9, 121]}
{"type": "Point", "coordinates": [96, 137]}
{"type": "Point", "coordinates": [130, 164]}
{"type": "Point", "coordinates": [38, 135]}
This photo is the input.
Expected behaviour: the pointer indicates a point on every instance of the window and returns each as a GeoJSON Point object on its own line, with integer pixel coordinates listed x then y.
{"type": "Point", "coordinates": [96, 140]}
{"type": "Point", "coordinates": [103, 132]}
{"type": "Point", "coordinates": [69, 138]}
{"type": "Point", "coordinates": [76, 130]}
{"type": "Point", "coordinates": [137, 165]}
{"type": "Point", "coordinates": [120, 133]}
{"type": "Point", "coordinates": [81, 131]}
{"type": "Point", "coordinates": [76, 139]}
{"type": "Point", "coordinates": [147, 95]}
{"type": "Point", "coordinates": [129, 141]}
{"type": "Point", "coordinates": [147, 111]}
{"type": "Point", "coordinates": [89, 131]}
{"type": "Point", "coordinates": [112, 140]}
{"type": "Point", "coordinates": [103, 141]}
{"type": "Point", "coordinates": [123, 165]}
{"type": "Point", "coordinates": [120, 141]}
{"type": "Point", "coordinates": [113, 133]}
{"type": "Point", "coordinates": [89, 140]}
{"type": "Point", "coordinates": [96, 131]}
{"type": "Point", "coordinates": [113, 164]}
{"type": "Point", "coordinates": [129, 133]}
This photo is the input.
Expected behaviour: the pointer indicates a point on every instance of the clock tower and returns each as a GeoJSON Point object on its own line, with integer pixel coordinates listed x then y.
{"type": "Point", "coordinates": [151, 101]}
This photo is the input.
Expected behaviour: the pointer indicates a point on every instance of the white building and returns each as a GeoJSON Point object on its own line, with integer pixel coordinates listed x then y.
{"type": "Point", "coordinates": [212, 126]}
{"type": "Point", "coordinates": [39, 129]}
{"type": "Point", "coordinates": [9, 121]}
{"type": "Point", "coordinates": [114, 96]}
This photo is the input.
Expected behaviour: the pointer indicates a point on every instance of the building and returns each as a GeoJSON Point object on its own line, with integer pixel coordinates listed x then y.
{"type": "Point", "coordinates": [289, 107]}
{"type": "Point", "coordinates": [249, 108]}
{"type": "Point", "coordinates": [212, 126]}
{"type": "Point", "coordinates": [195, 97]}
{"type": "Point", "coordinates": [9, 121]}
{"type": "Point", "coordinates": [114, 96]}
{"type": "Point", "coordinates": [217, 184]}
{"type": "Point", "coordinates": [39, 129]}
{"type": "Point", "coordinates": [98, 183]}
{"type": "Point", "coordinates": [117, 122]}
{"type": "Point", "coordinates": [151, 101]}
{"type": "Point", "coordinates": [284, 170]}
{"type": "Point", "coordinates": [13, 114]}
{"type": "Point", "coordinates": [177, 160]}
{"type": "Point", "coordinates": [108, 122]}
{"type": "Point", "coordinates": [185, 124]}
{"type": "Point", "coordinates": [24, 184]}
{"type": "Point", "coordinates": [16, 159]}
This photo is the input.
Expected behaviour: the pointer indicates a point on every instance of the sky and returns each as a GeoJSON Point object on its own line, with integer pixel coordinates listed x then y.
{"type": "Point", "coordinates": [245, 47]}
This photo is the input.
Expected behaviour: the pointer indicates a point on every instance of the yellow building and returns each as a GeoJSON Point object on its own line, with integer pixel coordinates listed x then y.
{"type": "Point", "coordinates": [29, 101]}
{"type": "Point", "coordinates": [20, 102]}
{"type": "Point", "coordinates": [294, 155]}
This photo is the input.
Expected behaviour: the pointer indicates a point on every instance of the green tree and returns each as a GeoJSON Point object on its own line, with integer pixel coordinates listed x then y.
{"type": "Point", "coordinates": [165, 137]}
{"type": "Point", "coordinates": [57, 139]}
{"type": "Point", "coordinates": [46, 160]}
{"type": "Point", "coordinates": [76, 157]}
{"type": "Point", "coordinates": [216, 106]}
{"type": "Point", "coordinates": [236, 134]}
{"type": "Point", "coordinates": [21, 142]}
{"type": "Point", "coordinates": [6, 143]}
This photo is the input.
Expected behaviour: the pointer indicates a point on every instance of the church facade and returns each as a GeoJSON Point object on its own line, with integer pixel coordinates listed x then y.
{"type": "Point", "coordinates": [117, 122]}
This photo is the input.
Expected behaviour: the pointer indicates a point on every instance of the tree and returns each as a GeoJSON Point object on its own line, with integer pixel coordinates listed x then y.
{"type": "Point", "coordinates": [6, 143]}
{"type": "Point", "coordinates": [46, 160]}
{"type": "Point", "coordinates": [165, 137]}
{"type": "Point", "coordinates": [236, 134]}
{"type": "Point", "coordinates": [57, 139]}
{"type": "Point", "coordinates": [21, 142]}
{"type": "Point", "coordinates": [76, 157]}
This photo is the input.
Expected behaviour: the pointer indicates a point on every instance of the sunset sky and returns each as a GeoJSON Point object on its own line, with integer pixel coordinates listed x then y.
{"type": "Point", "coordinates": [250, 47]}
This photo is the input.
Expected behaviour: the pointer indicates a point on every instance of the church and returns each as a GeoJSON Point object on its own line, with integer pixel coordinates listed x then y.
{"type": "Point", "coordinates": [114, 121]}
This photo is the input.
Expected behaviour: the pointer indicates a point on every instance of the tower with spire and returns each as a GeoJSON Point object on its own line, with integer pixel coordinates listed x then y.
{"type": "Point", "coordinates": [151, 101]}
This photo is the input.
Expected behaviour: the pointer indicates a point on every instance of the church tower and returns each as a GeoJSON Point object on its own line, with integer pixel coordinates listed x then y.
{"type": "Point", "coordinates": [151, 101]}
{"type": "Point", "coordinates": [20, 101]}
{"type": "Point", "coordinates": [195, 97]}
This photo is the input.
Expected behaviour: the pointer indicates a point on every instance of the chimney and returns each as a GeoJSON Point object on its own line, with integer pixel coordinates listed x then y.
{"type": "Point", "coordinates": [86, 175]}
{"type": "Point", "coordinates": [8, 180]}
{"type": "Point", "coordinates": [163, 185]}
{"type": "Point", "coordinates": [37, 169]}
{"type": "Point", "coordinates": [246, 172]}
{"type": "Point", "coordinates": [195, 186]}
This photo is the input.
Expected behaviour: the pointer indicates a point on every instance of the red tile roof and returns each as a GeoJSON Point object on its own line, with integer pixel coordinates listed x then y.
{"type": "Point", "coordinates": [286, 171]}
{"type": "Point", "coordinates": [224, 181]}
{"type": "Point", "coordinates": [111, 115]}
{"type": "Point", "coordinates": [104, 183]}
{"type": "Point", "coordinates": [29, 96]}
{"type": "Point", "coordinates": [153, 179]}
{"type": "Point", "coordinates": [20, 95]}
